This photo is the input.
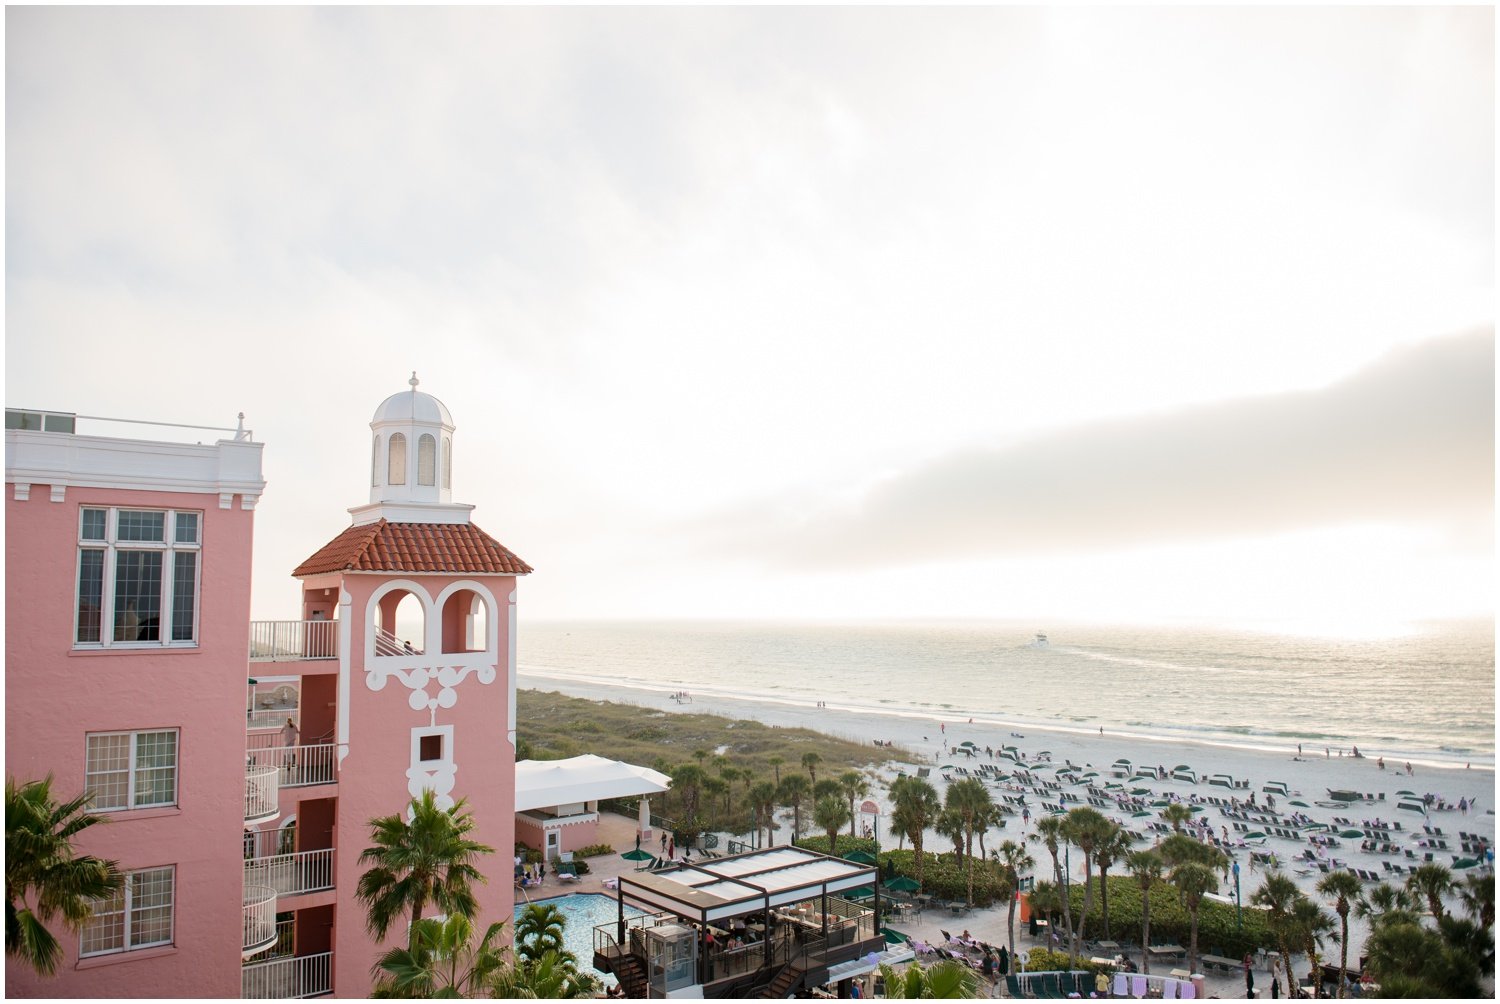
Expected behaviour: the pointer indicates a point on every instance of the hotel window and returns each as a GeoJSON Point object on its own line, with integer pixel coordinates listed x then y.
{"type": "Point", "coordinates": [139, 915]}
{"type": "Point", "coordinates": [426, 460]}
{"type": "Point", "coordinates": [137, 577]}
{"type": "Point", "coordinates": [447, 462]}
{"type": "Point", "coordinates": [396, 474]}
{"type": "Point", "coordinates": [131, 770]}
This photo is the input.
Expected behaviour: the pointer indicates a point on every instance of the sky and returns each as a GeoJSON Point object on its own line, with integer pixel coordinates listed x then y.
{"type": "Point", "coordinates": [850, 313]}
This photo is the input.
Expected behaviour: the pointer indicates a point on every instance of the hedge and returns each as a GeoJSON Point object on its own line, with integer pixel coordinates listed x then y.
{"type": "Point", "coordinates": [1217, 932]}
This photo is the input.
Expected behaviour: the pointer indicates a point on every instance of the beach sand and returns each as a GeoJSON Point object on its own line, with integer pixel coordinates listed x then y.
{"type": "Point", "coordinates": [1308, 777]}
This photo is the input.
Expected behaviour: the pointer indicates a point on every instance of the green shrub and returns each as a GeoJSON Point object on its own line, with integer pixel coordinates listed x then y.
{"type": "Point", "coordinates": [943, 877]}
{"type": "Point", "coordinates": [846, 844]}
{"type": "Point", "coordinates": [593, 851]}
{"type": "Point", "coordinates": [1218, 934]}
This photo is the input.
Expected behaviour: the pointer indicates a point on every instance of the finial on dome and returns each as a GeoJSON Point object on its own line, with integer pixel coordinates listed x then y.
{"type": "Point", "coordinates": [413, 381]}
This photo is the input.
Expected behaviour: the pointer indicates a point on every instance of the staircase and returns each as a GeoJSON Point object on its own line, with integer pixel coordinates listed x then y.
{"type": "Point", "coordinates": [789, 979]}
{"type": "Point", "coordinates": [631, 973]}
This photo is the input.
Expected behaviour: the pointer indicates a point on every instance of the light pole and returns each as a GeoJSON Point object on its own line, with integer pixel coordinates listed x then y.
{"type": "Point", "coordinates": [1237, 896]}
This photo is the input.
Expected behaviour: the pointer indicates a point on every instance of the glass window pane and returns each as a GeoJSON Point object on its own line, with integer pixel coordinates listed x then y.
{"type": "Point", "coordinates": [93, 524]}
{"type": "Point", "coordinates": [426, 460]}
{"type": "Point", "coordinates": [105, 929]}
{"type": "Point", "coordinates": [107, 771]}
{"type": "Point", "coordinates": [132, 525]}
{"type": "Point", "coordinates": [151, 907]}
{"type": "Point", "coordinates": [396, 475]}
{"type": "Point", "coordinates": [138, 595]}
{"type": "Point", "coordinates": [187, 528]}
{"type": "Point", "coordinates": [184, 592]}
{"type": "Point", "coordinates": [155, 768]}
{"type": "Point", "coordinates": [447, 462]}
{"type": "Point", "coordinates": [90, 594]}
{"type": "Point", "coordinates": [58, 423]}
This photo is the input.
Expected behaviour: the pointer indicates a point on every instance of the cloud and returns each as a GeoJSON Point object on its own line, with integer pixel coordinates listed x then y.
{"type": "Point", "coordinates": [1408, 439]}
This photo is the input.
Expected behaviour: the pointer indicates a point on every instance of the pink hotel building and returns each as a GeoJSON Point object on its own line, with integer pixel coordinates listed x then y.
{"type": "Point", "coordinates": [129, 645]}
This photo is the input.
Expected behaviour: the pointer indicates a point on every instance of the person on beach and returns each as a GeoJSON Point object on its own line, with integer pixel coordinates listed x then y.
{"type": "Point", "coordinates": [1249, 977]}
{"type": "Point", "coordinates": [1408, 769]}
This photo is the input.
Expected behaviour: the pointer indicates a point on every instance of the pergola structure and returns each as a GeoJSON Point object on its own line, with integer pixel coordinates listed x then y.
{"type": "Point", "coordinates": [557, 801]}
{"type": "Point", "coordinates": [785, 901]}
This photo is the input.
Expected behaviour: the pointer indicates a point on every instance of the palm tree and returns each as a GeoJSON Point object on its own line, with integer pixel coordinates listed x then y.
{"type": "Point", "coordinates": [1053, 833]}
{"type": "Point", "coordinates": [946, 980]}
{"type": "Point", "coordinates": [1386, 903]}
{"type": "Point", "coordinates": [43, 877]}
{"type": "Point", "coordinates": [1478, 895]}
{"type": "Point", "coordinates": [1344, 888]}
{"type": "Point", "coordinates": [1087, 828]}
{"type": "Point", "coordinates": [539, 930]}
{"type": "Point", "coordinates": [971, 801]}
{"type": "Point", "coordinates": [810, 760]}
{"type": "Point", "coordinates": [550, 977]}
{"type": "Point", "coordinates": [1278, 895]}
{"type": "Point", "coordinates": [763, 800]}
{"type": "Point", "coordinates": [793, 791]}
{"type": "Point", "coordinates": [1177, 813]}
{"type": "Point", "coordinates": [915, 808]}
{"type": "Point", "coordinates": [1013, 861]}
{"type": "Point", "coordinates": [1111, 849]}
{"type": "Point", "coordinates": [427, 860]}
{"type": "Point", "coordinates": [1311, 923]}
{"type": "Point", "coordinates": [713, 787]}
{"type": "Point", "coordinates": [687, 780]}
{"type": "Point", "coordinates": [1147, 867]}
{"type": "Point", "coordinates": [950, 824]}
{"type": "Point", "coordinates": [776, 760]}
{"type": "Point", "coordinates": [829, 814]}
{"type": "Point", "coordinates": [994, 815]}
{"type": "Point", "coordinates": [1193, 882]}
{"type": "Point", "coordinates": [442, 961]}
{"type": "Point", "coordinates": [855, 788]}
{"type": "Point", "coordinates": [1431, 881]}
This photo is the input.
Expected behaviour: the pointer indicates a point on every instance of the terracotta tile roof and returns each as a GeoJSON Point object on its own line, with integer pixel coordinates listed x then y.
{"type": "Point", "coordinates": [413, 547]}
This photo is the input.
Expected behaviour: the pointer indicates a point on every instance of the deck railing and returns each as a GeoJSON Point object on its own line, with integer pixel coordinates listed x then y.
{"type": "Point", "coordinates": [299, 766]}
{"type": "Point", "coordinates": [292, 874]}
{"type": "Point", "coordinates": [290, 641]}
{"type": "Point", "coordinates": [258, 904]}
{"type": "Point", "coordinates": [261, 790]}
{"type": "Point", "coordinates": [280, 979]}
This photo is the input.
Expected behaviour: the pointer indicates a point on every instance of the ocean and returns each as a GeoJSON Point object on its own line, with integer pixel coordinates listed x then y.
{"type": "Point", "coordinates": [1428, 693]}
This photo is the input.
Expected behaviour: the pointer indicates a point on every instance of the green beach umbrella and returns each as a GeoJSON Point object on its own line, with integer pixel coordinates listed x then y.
{"type": "Point", "coordinates": [863, 892]}
{"type": "Point", "coordinates": [893, 937]}
{"type": "Point", "coordinates": [637, 855]}
{"type": "Point", "coordinates": [903, 883]}
{"type": "Point", "coordinates": [1301, 805]}
{"type": "Point", "coordinates": [1350, 833]}
{"type": "Point", "coordinates": [861, 857]}
{"type": "Point", "coordinates": [967, 742]}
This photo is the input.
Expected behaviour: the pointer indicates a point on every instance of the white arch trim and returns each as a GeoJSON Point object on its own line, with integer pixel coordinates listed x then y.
{"type": "Point", "coordinates": [491, 616]}
{"type": "Point", "coordinates": [373, 604]}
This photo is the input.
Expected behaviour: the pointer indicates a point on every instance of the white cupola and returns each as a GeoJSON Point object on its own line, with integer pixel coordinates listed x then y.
{"type": "Point", "coordinates": [411, 462]}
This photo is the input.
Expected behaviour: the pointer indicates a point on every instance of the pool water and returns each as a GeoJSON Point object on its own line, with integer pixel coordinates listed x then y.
{"type": "Point", "coordinates": [584, 911]}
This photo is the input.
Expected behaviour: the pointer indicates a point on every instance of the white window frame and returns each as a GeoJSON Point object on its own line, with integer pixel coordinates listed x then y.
{"type": "Point", "coordinates": [127, 910]}
{"type": "Point", "coordinates": [169, 547]}
{"type": "Point", "coordinates": [131, 767]}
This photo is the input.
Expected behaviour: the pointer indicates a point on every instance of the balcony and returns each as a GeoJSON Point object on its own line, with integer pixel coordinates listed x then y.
{"type": "Point", "coordinates": [293, 641]}
{"type": "Point", "coordinates": [298, 766]}
{"type": "Point", "coordinates": [261, 789]}
{"type": "Point", "coordinates": [258, 904]}
{"type": "Point", "coordinates": [281, 979]}
{"type": "Point", "coordinates": [292, 874]}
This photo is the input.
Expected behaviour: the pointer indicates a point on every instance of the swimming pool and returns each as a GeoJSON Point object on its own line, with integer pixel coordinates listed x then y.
{"type": "Point", "coordinates": [584, 911]}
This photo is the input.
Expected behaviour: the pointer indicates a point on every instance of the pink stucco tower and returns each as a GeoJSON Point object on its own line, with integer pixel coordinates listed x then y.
{"type": "Point", "coordinates": [421, 690]}
{"type": "Point", "coordinates": [127, 603]}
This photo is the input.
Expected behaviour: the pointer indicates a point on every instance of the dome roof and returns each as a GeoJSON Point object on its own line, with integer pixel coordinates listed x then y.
{"type": "Point", "coordinates": [412, 406]}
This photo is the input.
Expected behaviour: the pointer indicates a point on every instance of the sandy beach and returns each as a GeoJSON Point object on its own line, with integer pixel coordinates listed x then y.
{"type": "Point", "coordinates": [1308, 777]}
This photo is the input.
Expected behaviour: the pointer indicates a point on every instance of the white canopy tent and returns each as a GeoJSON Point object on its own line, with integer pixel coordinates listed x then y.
{"type": "Point", "coordinates": [545, 784]}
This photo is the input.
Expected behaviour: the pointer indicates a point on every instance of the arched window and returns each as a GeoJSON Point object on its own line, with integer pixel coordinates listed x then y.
{"type": "Point", "coordinates": [448, 462]}
{"type": "Point", "coordinates": [426, 460]}
{"type": "Point", "coordinates": [375, 463]}
{"type": "Point", "coordinates": [397, 473]}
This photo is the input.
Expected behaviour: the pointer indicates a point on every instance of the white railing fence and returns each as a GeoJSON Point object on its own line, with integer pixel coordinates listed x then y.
{"type": "Point", "coordinates": [291, 874]}
{"type": "Point", "coordinates": [279, 979]}
{"type": "Point", "coordinates": [288, 641]}
{"type": "Point", "coordinates": [300, 766]}
{"type": "Point", "coordinates": [261, 790]}
{"type": "Point", "coordinates": [259, 908]}
{"type": "Point", "coordinates": [388, 644]}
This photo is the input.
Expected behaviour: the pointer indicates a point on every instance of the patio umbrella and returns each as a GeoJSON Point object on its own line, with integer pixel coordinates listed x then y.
{"type": "Point", "coordinates": [902, 883]}
{"type": "Point", "coordinates": [861, 857]}
{"type": "Point", "coordinates": [967, 742]}
{"type": "Point", "coordinates": [637, 855]}
{"type": "Point", "coordinates": [863, 892]}
{"type": "Point", "coordinates": [893, 937]}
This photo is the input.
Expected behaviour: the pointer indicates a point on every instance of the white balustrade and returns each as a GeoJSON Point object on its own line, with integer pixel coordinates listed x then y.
{"type": "Point", "coordinates": [259, 909]}
{"type": "Point", "coordinates": [292, 874]}
{"type": "Point", "coordinates": [280, 979]}
{"type": "Point", "coordinates": [300, 766]}
{"type": "Point", "coordinates": [261, 790]}
{"type": "Point", "coordinates": [290, 641]}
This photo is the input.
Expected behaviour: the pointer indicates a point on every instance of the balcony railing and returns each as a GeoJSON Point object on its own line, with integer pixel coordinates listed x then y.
{"type": "Point", "coordinates": [291, 641]}
{"type": "Point", "coordinates": [261, 792]}
{"type": "Point", "coordinates": [280, 979]}
{"type": "Point", "coordinates": [292, 874]}
{"type": "Point", "coordinates": [259, 908]}
{"type": "Point", "coordinates": [388, 644]}
{"type": "Point", "coordinates": [299, 766]}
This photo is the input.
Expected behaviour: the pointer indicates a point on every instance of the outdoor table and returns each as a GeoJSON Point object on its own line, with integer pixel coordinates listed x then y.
{"type": "Point", "coordinates": [1109, 946]}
